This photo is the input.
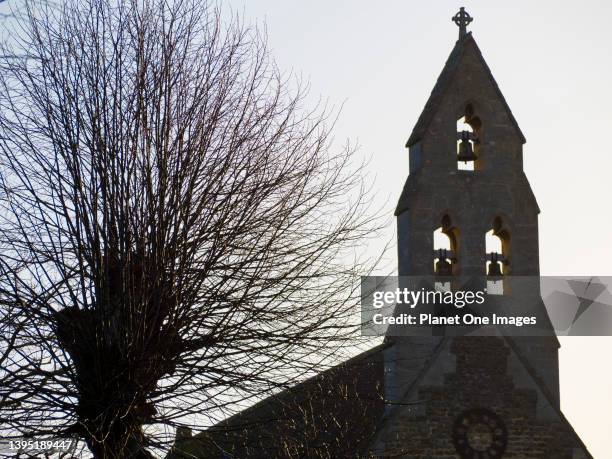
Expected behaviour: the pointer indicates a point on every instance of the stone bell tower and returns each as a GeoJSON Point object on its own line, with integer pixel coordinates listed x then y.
{"type": "Point", "coordinates": [470, 396]}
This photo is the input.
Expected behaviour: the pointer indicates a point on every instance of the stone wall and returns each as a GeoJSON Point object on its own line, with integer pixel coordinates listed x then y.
{"type": "Point", "coordinates": [424, 427]}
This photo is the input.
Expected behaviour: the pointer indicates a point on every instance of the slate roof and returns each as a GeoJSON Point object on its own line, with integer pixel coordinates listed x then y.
{"type": "Point", "coordinates": [333, 414]}
{"type": "Point", "coordinates": [337, 413]}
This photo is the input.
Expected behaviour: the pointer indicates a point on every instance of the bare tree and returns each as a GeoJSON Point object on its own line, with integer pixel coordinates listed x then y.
{"type": "Point", "coordinates": [13, 8]}
{"type": "Point", "coordinates": [176, 234]}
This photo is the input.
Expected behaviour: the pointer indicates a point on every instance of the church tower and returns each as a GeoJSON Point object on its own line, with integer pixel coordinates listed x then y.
{"type": "Point", "coordinates": [467, 210]}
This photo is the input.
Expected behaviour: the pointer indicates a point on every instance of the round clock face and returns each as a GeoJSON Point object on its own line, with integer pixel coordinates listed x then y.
{"type": "Point", "coordinates": [479, 434]}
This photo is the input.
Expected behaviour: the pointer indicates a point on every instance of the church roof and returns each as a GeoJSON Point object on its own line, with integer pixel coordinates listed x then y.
{"type": "Point", "coordinates": [337, 413]}
{"type": "Point", "coordinates": [443, 82]}
{"type": "Point", "coordinates": [313, 419]}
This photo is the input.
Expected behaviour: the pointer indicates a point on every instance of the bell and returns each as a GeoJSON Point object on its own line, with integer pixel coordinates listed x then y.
{"type": "Point", "coordinates": [495, 265]}
{"type": "Point", "coordinates": [466, 152]}
{"type": "Point", "coordinates": [443, 266]}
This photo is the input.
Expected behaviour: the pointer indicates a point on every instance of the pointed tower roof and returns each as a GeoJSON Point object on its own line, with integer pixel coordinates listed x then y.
{"type": "Point", "coordinates": [444, 80]}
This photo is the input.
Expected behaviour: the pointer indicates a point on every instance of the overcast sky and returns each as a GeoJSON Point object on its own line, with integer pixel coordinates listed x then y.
{"type": "Point", "coordinates": [551, 59]}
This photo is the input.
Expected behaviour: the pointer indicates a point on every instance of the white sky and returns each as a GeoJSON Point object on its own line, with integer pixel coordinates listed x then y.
{"type": "Point", "coordinates": [551, 59]}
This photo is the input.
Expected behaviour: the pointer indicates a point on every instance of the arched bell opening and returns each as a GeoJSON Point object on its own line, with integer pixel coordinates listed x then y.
{"type": "Point", "coordinates": [497, 259]}
{"type": "Point", "coordinates": [445, 238]}
{"type": "Point", "coordinates": [468, 140]}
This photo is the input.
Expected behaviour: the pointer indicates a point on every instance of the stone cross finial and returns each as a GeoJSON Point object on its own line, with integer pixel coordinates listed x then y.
{"type": "Point", "coordinates": [462, 19]}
